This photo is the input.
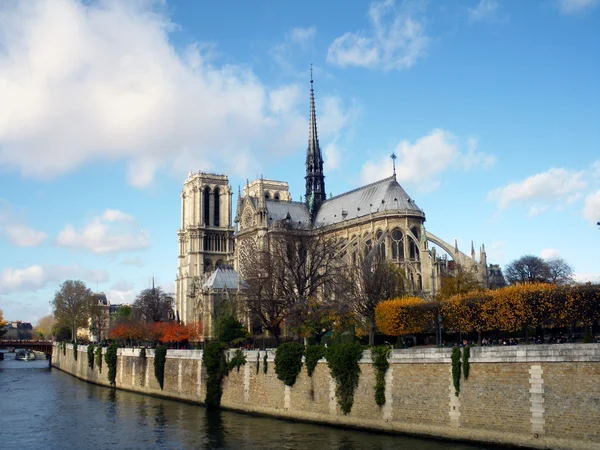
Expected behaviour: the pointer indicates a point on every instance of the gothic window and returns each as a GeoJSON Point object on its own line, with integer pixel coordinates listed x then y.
{"type": "Point", "coordinates": [397, 245]}
{"type": "Point", "coordinates": [276, 196]}
{"type": "Point", "coordinates": [206, 206]}
{"type": "Point", "coordinates": [267, 196]}
{"type": "Point", "coordinates": [381, 248]}
{"type": "Point", "coordinates": [216, 195]}
{"type": "Point", "coordinates": [219, 263]}
{"type": "Point", "coordinates": [368, 247]}
{"type": "Point", "coordinates": [415, 231]}
{"type": "Point", "coordinates": [207, 266]}
{"type": "Point", "coordinates": [413, 249]}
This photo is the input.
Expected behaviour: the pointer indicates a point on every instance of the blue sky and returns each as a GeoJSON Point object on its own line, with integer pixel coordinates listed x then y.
{"type": "Point", "coordinates": [493, 108]}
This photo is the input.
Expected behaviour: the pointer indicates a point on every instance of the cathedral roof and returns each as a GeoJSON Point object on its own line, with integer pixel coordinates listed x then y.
{"type": "Point", "coordinates": [222, 278]}
{"type": "Point", "coordinates": [295, 212]}
{"type": "Point", "coordinates": [383, 195]}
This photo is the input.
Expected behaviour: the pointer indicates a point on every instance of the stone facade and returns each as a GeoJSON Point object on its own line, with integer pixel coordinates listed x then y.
{"type": "Point", "coordinates": [544, 396]}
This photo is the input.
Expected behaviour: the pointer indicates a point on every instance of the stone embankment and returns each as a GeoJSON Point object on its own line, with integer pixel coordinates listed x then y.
{"type": "Point", "coordinates": [539, 396]}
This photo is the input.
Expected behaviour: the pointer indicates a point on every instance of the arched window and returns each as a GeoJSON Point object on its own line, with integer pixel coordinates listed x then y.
{"type": "Point", "coordinates": [205, 196]}
{"type": "Point", "coordinates": [207, 265]}
{"type": "Point", "coordinates": [217, 197]}
{"type": "Point", "coordinates": [219, 263]}
{"type": "Point", "coordinates": [413, 249]}
{"type": "Point", "coordinates": [368, 247]}
{"type": "Point", "coordinates": [381, 247]}
{"type": "Point", "coordinates": [276, 196]}
{"type": "Point", "coordinates": [415, 231]}
{"type": "Point", "coordinates": [397, 245]}
{"type": "Point", "coordinates": [267, 196]}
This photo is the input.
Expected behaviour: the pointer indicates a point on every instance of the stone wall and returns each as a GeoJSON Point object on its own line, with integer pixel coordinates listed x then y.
{"type": "Point", "coordinates": [537, 396]}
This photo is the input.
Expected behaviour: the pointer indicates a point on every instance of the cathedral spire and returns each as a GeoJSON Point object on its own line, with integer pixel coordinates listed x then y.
{"type": "Point", "coordinates": [315, 180]}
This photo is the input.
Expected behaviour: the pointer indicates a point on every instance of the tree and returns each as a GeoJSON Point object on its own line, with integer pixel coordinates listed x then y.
{"type": "Point", "coordinates": [72, 305]}
{"type": "Point", "coordinates": [406, 315]}
{"type": "Point", "coordinates": [154, 304]}
{"type": "Point", "coordinates": [287, 279]}
{"type": "Point", "coordinates": [2, 324]}
{"type": "Point", "coordinates": [122, 314]}
{"type": "Point", "coordinates": [231, 329]}
{"type": "Point", "coordinates": [459, 282]}
{"type": "Point", "coordinates": [371, 281]}
{"type": "Point", "coordinates": [43, 329]}
{"type": "Point", "coordinates": [527, 269]}
{"type": "Point", "coordinates": [561, 273]}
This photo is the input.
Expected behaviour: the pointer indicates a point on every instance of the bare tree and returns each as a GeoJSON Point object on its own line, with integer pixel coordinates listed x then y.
{"type": "Point", "coordinates": [527, 269]}
{"type": "Point", "coordinates": [371, 281]}
{"type": "Point", "coordinates": [72, 305]}
{"type": "Point", "coordinates": [291, 281]}
{"type": "Point", "coordinates": [560, 272]}
{"type": "Point", "coordinates": [154, 304]}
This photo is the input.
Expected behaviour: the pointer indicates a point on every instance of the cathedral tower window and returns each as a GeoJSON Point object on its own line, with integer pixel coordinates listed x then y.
{"type": "Point", "coordinates": [206, 209]}
{"type": "Point", "coordinates": [216, 195]}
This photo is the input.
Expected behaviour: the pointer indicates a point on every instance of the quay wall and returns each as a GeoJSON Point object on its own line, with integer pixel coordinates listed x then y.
{"type": "Point", "coordinates": [537, 396]}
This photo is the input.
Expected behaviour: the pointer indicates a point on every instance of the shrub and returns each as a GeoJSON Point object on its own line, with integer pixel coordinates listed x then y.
{"type": "Point", "coordinates": [99, 358]}
{"type": "Point", "coordinates": [160, 358]}
{"type": "Point", "coordinates": [342, 360]}
{"type": "Point", "coordinates": [111, 362]}
{"type": "Point", "coordinates": [288, 362]}
{"type": "Point", "coordinates": [90, 355]}
{"type": "Point", "coordinates": [312, 355]}
{"type": "Point", "coordinates": [232, 330]}
{"type": "Point", "coordinates": [465, 361]}
{"type": "Point", "coordinates": [381, 365]}
{"type": "Point", "coordinates": [216, 368]}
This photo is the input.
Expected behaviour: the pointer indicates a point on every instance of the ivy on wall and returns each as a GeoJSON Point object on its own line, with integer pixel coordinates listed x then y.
{"type": "Point", "coordinates": [63, 345]}
{"type": "Point", "coordinates": [381, 365]}
{"type": "Point", "coordinates": [456, 369]}
{"type": "Point", "coordinates": [288, 362]}
{"type": "Point", "coordinates": [90, 355]}
{"type": "Point", "coordinates": [111, 362]}
{"type": "Point", "coordinates": [216, 368]}
{"type": "Point", "coordinates": [99, 358]}
{"type": "Point", "coordinates": [466, 354]}
{"type": "Point", "coordinates": [238, 360]}
{"type": "Point", "coordinates": [265, 363]}
{"type": "Point", "coordinates": [312, 355]}
{"type": "Point", "coordinates": [75, 350]}
{"type": "Point", "coordinates": [257, 362]}
{"type": "Point", "coordinates": [160, 359]}
{"type": "Point", "coordinates": [342, 360]}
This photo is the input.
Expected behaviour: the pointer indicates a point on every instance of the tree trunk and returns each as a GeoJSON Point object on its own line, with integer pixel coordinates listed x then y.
{"type": "Point", "coordinates": [371, 336]}
{"type": "Point", "coordinates": [478, 338]}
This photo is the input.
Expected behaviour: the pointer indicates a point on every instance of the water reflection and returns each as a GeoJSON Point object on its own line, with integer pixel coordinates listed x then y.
{"type": "Point", "coordinates": [50, 409]}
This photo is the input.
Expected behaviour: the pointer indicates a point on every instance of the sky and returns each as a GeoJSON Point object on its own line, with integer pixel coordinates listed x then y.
{"type": "Point", "coordinates": [492, 108]}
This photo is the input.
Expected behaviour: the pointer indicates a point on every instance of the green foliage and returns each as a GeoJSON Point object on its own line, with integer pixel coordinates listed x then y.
{"type": "Point", "coordinates": [288, 362]}
{"type": "Point", "coordinates": [75, 350]}
{"type": "Point", "coordinates": [63, 345]}
{"type": "Point", "coordinates": [111, 362]}
{"type": "Point", "coordinates": [466, 354]}
{"type": "Point", "coordinates": [312, 355]}
{"type": "Point", "coordinates": [342, 360]}
{"type": "Point", "coordinates": [143, 354]}
{"type": "Point", "coordinates": [99, 358]}
{"type": "Point", "coordinates": [216, 368]}
{"type": "Point", "coordinates": [456, 370]}
{"type": "Point", "coordinates": [238, 360]}
{"type": "Point", "coordinates": [381, 364]}
{"type": "Point", "coordinates": [90, 354]}
{"type": "Point", "coordinates": [257, 362]}
{"type": "Point", "coordinates": [265, 363]}
{"type": "Point", "coordinates": [231, 330]}
{"type": "Point", "coordinates": [587, 336]}
{"type": "Point", "coordinates": [160, 358]}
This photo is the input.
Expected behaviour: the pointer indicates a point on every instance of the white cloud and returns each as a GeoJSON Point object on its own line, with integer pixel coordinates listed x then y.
{"type": "Point", "coordinates": [591, 208]}
{"type": "Point", "coordinates": [420, 163]}
{"type": "Point", "coordinates": [485, 9]}
{"type": "Point", "coordinates": [135, 261]}
{"type": "Point", "coordinates": [14, 228]}
{"type": "Point", "coordinates": [117, 297]}
{"type": "Point", "coordinates": [395, 42]}
{"type": "Point", "coordinates": [302, 35]}
{"type": "Point", "coordinates": [587, 277]}
{"type": "Point", "coordinates": [88, 81]}
{"type": "Point", "coordinates": [576, 6]}
{"type": "Point", "coordinates": [556, 185]}
{"type": "Point", "coordinates": [37, 277]}
{"type": "Point", "coordinates": [550, 253]}
{"type": "Point", "coordinates": [332, 156]}
{"type": "Point", "coordinates": [112, 232]}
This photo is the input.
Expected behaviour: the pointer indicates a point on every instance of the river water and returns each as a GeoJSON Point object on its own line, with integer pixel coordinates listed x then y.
{"type": "Point", "coordinates": [42, 408]}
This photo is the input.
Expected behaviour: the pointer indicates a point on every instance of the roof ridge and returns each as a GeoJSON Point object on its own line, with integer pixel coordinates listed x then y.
{"type": "Point", "coordinates": [391, 177]}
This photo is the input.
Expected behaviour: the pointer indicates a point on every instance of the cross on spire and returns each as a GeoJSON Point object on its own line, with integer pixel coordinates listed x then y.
{"type": "Point", "coordinates": [394, 157]}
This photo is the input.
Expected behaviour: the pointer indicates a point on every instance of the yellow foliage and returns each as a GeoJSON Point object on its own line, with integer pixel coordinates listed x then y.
{"type": "Point", "coordinates": [405, 315]}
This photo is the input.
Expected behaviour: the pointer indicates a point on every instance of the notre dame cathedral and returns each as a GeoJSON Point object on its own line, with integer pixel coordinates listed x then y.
{"type": "Point", "coordinates": [212, 242]}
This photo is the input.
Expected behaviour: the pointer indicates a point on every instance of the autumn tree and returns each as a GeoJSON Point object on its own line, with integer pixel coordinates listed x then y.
{"type": "Point", "coordinates": [2, 324]}
{"type": "Point", "coordinates": [462, 280]}
{"type": "Point", "coordinates": [408, 315]}
{"type": "Point", "coordinates": [154, 304]}
{"type": "Point", "coordinates": [371, 281]}
{"type": "Point", "coordinates": [43, 329]}
{"type": "Point", "coordinates": [72, 305]}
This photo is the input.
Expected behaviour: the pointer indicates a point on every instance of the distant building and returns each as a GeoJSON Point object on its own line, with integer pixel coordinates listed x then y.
{"type": "Point", "coordinates": [18, 330]}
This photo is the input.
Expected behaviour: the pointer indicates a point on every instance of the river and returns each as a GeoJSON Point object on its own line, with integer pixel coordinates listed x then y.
{"type": "Point", "coordinates": [46, 408]}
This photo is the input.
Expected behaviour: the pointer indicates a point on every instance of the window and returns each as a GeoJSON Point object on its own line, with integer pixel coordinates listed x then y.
{"type": "Point", "coordinates": [206, 206]}
{"type": "Point", "coordinates": [397, 245]}
{"type": "Point", "coordinates": [217, 208]}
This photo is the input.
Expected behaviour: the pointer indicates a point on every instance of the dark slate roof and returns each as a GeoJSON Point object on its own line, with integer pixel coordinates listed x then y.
{"type": "Point", "coordinates": [383, 195]}
{"type": "Point", "coordinates": [222, 278]}
{"type": "Point", "coordinates": [101, 298]}
{"type": "Point", "coordinates": [294, 212]}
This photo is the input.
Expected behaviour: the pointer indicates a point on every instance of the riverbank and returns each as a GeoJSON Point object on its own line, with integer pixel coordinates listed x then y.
{"type": "Point", "coordinates": [538, 396]}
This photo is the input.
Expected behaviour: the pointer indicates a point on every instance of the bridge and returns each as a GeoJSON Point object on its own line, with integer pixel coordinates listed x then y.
{"type": "Point", "coordinates": [39, 346]}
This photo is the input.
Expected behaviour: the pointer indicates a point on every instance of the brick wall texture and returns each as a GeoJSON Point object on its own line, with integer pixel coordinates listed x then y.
{"type": "Point", "coordinates": [538, 397]}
